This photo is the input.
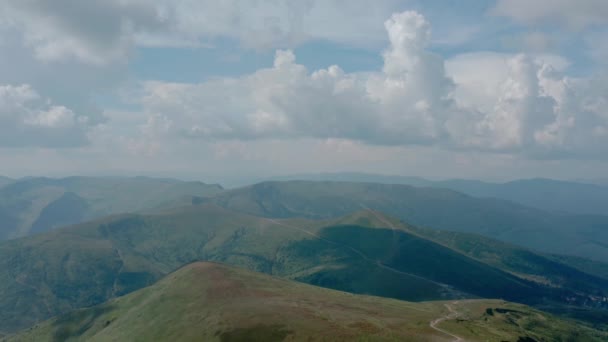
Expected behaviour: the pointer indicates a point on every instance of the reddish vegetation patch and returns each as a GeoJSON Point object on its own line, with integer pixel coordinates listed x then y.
{"type": "Point", "coordinates": [365, 327]}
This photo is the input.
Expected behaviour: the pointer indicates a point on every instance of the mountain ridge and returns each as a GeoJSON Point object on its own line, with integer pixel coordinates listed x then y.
{"type": "Point", "coordinates": [216, 302]}
{"type": "Point", "coordinates": [89, 263]}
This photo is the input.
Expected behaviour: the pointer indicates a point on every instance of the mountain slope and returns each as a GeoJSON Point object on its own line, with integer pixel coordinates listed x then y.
{"type": "Point", "coordinates": [580, 235]}
{"type": "Point", "coordinates": [545, 194]}
{"type": "Point", "coordinates": [52, 273]}
{"type": "Point", "coordinates": [34, 205]}
{"type": "Point", "coordinates": [213, 302]}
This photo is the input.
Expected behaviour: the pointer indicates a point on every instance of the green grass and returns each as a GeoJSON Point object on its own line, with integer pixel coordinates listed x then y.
{"type": "Point", "coordinates": [214, 302]}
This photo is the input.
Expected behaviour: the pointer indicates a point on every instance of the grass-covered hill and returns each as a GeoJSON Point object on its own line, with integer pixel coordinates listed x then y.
{"type": "Point", "coordinates": [34, 205]}
{"type": "Point", "coordinates": [578, 235]}
{"type": "Point", "coordinates": [52, 273]}
{"type": "Point", "coordinates": [214, 302]}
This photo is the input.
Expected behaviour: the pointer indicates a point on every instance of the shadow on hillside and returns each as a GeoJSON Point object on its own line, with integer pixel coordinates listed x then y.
{"type": "Point", "coordinates": [76, 323]}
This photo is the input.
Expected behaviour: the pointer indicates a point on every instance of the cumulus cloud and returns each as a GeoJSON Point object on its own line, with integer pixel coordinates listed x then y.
{"type": "Point", "coordinates": [575, 14]}
{"type": "Point", "coordinates": [27, 119]}
{"type": "Point", "coordinates": [523, 104]}
{"type": "Point", "coordinates": [95, 32]}
{"type": "Point", "coordinates": [100, 32]}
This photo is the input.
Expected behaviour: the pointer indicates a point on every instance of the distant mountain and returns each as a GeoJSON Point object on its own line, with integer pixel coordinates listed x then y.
{"type": "Point", "coordinates": [546, 194]}
{"type": "Point", "coordinates": [214, 302]}
{"type": "Point", "coordinates": [579, 235]}
{"type": "Point", "coordinates": [366, 253]}
{"type": "Point", "coordinates": [33, 205]}
{"type": "Point", "coordinates": [5, 180]}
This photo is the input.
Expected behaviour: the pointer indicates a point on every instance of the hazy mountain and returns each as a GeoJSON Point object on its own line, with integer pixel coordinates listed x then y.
{"type": "Point", "coordinates": [579, 235]}
{"type": "Point", "coordinates": [214, 302]}
{"type": "Point", "coordinates": [5, 180]}
{"type": "Point", "coordinates": [48, 274]}
{"type": "Point", "coordinates": [546, 194]}
{"type": "Point", "coordinates": [34, 205]}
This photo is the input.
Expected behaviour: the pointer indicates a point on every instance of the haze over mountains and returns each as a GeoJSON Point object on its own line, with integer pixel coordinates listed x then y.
{"type": "Point", "coordinates": [580, 235]}
{"type": "Point", "coordinates": [547, 194]}
{"type": "Point", "coordinates": [34, 204]}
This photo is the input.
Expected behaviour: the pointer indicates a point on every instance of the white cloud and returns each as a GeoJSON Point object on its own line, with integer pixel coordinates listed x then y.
{"type": "Point", "coordinates": [527, 105]}
{"type": "Point", "coordinates": [27, 119]}
{"type": "Point", "coordinates": [100, 32]}
{"type": "Point", "coordinates": [492, 102]}
{"type": "Point", "coordinates": [95, 32]}
{"type": "Point", "coordinates": [575, 14]}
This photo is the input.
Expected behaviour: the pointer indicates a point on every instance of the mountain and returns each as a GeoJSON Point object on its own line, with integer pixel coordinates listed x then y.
{"type": "Point", "coordinates": [365, 252]}
{"type": "Point", "coordinates": [545, 194]}
{"type": "Point", "coordinates": [34, 205]}
{"type": "Point", "coordinates": [578, 235]}
{"type": "Point", "coordinates": [214, 302]}
{"type": "Point", "coordinates": [5, 181]}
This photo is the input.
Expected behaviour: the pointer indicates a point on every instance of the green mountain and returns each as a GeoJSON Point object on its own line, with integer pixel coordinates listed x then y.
{"type": "Point", "coordinates": [52, 273]}
{"type": "Point", "coordinates": [34, 205]}
{"type": "Point", "coordinates": [578, 235]}
{"type": "Point", "coordinates": [214, 302]}
{"type": "Point", "coordinates": [540, 193]}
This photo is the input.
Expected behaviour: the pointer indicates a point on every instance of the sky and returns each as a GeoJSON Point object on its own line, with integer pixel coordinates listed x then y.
{"type": "Point", "coordinates": [224, 90]}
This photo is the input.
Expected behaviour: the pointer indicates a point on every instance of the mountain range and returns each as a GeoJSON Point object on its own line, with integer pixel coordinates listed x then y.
{"type": "Point", "coordinates": [575, 197]}
{"type": "Point", "coordinates": [89, 241]}
{"type": "Point", "coordinates": [443, 209]}
{"type": "Point", "coordinates": [366, 253]}
{"type": "Point", "coordinates": [33, 205]}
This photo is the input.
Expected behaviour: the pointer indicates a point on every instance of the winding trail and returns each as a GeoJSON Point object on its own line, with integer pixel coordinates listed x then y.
{"type": "Point", "coordinates": [451, 315]}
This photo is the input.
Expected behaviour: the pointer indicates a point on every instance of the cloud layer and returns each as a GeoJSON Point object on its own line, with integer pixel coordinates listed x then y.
{"type": "Point", "coordinates": [27, 119]}
{"type": "Point", "coordinates": [100, 32]}
{"type": "Point", "coordinates": [523, 105]}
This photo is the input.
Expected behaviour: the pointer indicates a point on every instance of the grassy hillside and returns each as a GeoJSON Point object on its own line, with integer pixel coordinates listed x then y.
{"type": "Point", "coordinates": [52, 273]}
{"type": "Point", "coordinates": [214, 302]}
{"type": "Point", "coordinates": [579, 235]}
{"type": "Point", "coordinates": [34, 205]}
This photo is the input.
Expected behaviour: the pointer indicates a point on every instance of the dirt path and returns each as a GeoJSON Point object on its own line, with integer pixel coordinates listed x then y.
{"type": "Point", "coordinates": [451, 315]}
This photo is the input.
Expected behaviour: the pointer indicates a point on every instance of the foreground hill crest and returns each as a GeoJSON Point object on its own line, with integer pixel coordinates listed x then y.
{"type": "Point", "coordinates": [214, 302]}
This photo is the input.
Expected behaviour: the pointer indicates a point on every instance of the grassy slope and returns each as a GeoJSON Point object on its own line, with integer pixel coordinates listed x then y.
{"type": "Point", "coordinates": [581, 235]}
{"type": "Point", "coordinates": [213, 302]}
{"type": "Point", "coordinates": [580, 276]}
{"type": "Point", "coordinates": [47, 274]}
{"type": "Point", "coordinates": [52, 273]}
{"type": "Point", "coordinates": [35, 205]}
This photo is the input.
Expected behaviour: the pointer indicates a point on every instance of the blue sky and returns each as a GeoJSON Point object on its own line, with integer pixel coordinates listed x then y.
{"type": "Point", "coordinates": [206, 89]}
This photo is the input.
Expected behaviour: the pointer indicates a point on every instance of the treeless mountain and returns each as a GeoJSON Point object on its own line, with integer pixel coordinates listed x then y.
{"type": "Point", "coordinates": [366, 252]}
{"type": "Point", "coordinates": [34, 205]}
{"type": "Point", "coordinates": [214, 302]}
{"type": "Point", "coordinates": [577, 235]}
